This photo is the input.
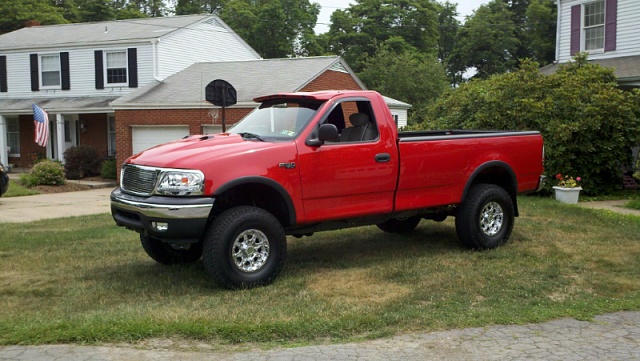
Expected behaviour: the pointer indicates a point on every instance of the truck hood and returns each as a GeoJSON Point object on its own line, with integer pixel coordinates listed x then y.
{"type": "Point", "coordinates": [194, 151]}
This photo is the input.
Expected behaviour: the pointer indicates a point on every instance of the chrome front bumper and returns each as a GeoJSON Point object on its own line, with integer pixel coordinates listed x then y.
{"type": "Point", "coordinates": [183, 218]}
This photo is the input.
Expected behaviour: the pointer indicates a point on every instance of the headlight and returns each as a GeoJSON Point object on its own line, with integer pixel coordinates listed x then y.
{"type": "Point", "coordinates": [181, 183]}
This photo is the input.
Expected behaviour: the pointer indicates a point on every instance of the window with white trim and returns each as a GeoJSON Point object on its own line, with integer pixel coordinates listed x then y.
{"type": "Point", "coordinates": [13, 136]}
{"type": "Point", "coordinates": [50, 70]}
{"type": "Point", "coordinates": [111, 135]}
{"type": "Point", "coordinates": [116, 67]}
{"type": "Point", "coordinates": [593, 25]}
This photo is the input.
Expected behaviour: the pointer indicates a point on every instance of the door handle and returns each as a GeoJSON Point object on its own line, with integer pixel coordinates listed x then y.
{"type": "Point", "coordinates": [383, 157]}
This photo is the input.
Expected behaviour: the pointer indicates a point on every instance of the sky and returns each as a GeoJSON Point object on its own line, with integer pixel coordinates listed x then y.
{"type": "Point", "coordinates": [465, 8]}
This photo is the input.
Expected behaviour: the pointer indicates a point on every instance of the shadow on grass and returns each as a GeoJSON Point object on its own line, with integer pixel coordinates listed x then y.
{"type": "Point", "coordinates": [360, 247]}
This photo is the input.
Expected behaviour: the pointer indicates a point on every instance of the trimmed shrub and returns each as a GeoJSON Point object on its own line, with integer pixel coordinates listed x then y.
{"type": "Point", "coordinates": [46, 172]}
{"type": "Point", "coordinates": [81, 161]}
{"type": "Point", "coordinates": [109, 169]}
{"type": "Point", "coordinates": [588, 124]}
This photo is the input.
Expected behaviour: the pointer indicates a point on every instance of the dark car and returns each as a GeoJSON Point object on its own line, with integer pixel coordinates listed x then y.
{"type": "Point", "coordinates": [4, 179]}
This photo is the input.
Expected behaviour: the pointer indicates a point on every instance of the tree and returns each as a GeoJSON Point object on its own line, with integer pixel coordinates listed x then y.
{"type": "Point", "coordinates": [359, 30]}
{"type": "Point", "coordinates": [406, 75]}
{"type": "Point", "coordinates": [541, 29]}
{"type": "Point", "coordinates": [16, 12]}
{"type": "Point", "coordinates": [448, 28]}
{"type": "Point", "coordinates": [186, 7]}
{"type": "Point", "coordinates": [487, 41]}
{"type": "Point", "coordinates": [588, 124]}
{"type": "Point", "coordinates": [274, 28]}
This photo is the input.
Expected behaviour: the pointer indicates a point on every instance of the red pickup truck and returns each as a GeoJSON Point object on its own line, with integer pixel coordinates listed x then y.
{"type": "Point", "coordinates": [307, 162]}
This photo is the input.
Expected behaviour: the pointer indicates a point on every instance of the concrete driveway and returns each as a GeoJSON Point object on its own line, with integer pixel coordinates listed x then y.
{"type": "Point", "coordinates": [56, 205]}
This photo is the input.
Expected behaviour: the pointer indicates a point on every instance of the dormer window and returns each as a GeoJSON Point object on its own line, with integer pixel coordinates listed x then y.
{"type": "Point", "coordinates": [594, 25]}
{"type": "Point", "coordinates": [116, 67]}
{"type": "Point", "coordinates": [50, 70]}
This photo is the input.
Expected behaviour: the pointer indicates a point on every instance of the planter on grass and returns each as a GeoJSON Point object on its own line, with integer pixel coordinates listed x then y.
{"type": "Point", "coordinates": [567, 195]}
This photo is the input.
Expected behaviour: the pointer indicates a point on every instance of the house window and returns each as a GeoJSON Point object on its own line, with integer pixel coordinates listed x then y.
{"type": "Point", "coordinates": [13, 136]}
{"type": "Point", "coordinates": [116, 69]}
{"type": "Point", "coordinates": [50, 70]}
{"type": "Point", "coordinates": [111, 135]}
{"type": "Point", "coordinates": [594, 25]}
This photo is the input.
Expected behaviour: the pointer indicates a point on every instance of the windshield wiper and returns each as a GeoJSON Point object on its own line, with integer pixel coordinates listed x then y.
{"type": "Point", "coordinates": [251, 136]}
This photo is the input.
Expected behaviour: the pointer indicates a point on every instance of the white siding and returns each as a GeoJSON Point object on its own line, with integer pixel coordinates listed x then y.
{"type": "Point", "coordinates": [627, 42]}
{"type": "Point", "coordinates": [208, 41]}
{"type": "Point", "coordinates": [82, 73]}
{"type": "Point", "coordinates": [402, 116]}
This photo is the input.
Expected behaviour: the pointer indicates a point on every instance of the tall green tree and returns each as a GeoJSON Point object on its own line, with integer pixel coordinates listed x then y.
{"type": "Point", "coordinates": [274, 28]}
{"type": "Point", "coordinates": [488, 41]}
{"type": "Point", "coordinates": [406, 75]}
{"type": "Point", "coordinates": [14, 14]}
{"type": "Point", "coordinates": [541, 30]}
{"type": "Point", "coordinates": [186, 7]}
{"type": "Point", "coordinates": [448, 28]}
{"type": "Point", "coordinates": [357, 32]}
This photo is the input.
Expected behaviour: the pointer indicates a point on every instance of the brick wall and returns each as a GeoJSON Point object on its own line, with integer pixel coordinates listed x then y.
{"type": "Point", "coordinates": [29, 150]}
{"type": "Point", "coordinates": [95, 133]}
{"type": "Point", "coordinates": [332, 80]}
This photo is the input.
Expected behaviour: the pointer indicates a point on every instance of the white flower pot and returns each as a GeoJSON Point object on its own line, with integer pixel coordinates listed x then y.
{"type": "Point", "coordinates": [567, 195]}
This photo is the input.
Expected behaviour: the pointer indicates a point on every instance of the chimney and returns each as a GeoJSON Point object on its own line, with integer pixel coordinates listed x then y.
{"type": "Point", "coordinates": [30, 23]}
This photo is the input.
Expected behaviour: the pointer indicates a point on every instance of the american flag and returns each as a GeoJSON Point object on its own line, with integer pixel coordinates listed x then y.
{"type": "Point", "coordinates": [41, 121]}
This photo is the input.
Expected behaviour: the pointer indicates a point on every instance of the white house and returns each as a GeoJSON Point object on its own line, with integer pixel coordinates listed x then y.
{"type": "Point", "coordinates": [75, 71]}
{"type": "Point", "coordinates": [608, 30]}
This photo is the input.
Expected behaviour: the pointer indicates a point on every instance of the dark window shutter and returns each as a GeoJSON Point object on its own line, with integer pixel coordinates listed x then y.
{"type": "Point", "coordinates": [97, 56]}
{"type": "Point", "coordinates": [35, 79]}
{"type": "Point", "coordinates": [132, 57]}
{"type": "Point", "coordinates": [64, 65]}
{"type": "Point", "coordinates": [611, 25]}
{"type": "Point", "coordinates": [575, 28]}
{"type": "Point", "coordinates": [3, 74]}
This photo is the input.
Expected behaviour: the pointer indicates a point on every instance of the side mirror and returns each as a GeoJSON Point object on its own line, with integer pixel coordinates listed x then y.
{"type": "Point", "coordinates": [327, 132]}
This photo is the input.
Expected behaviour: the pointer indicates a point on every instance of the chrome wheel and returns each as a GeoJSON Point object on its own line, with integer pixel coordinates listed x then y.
{"type": "Point", "coordinates": [250, 250]}
{"type": "Point", "coordinates": [491, 218]}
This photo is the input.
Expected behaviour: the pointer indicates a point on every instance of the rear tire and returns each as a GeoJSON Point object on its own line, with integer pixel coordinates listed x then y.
{"type": "Point", "coordinates": [485, 218]}
{"type": "Point", "coordinates": [170, 254]}
{"type": "Point", "coordinates": [244, 247]}
{"type": "Point", "coordinates": [400, 225]}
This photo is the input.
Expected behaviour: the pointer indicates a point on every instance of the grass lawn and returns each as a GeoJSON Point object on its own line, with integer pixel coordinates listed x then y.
{"type": "Point", "coordinates": [634, 204]}
{"type": "Point", "coordinates": [84, 280]}
{"type": "Point", "coordinates": [17, 190]}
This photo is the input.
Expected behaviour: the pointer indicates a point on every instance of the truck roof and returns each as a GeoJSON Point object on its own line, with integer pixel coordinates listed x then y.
{"type": "Point", "coordinates": [318, 95]}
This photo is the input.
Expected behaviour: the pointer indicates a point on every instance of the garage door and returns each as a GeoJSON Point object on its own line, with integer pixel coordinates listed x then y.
{"type": "Point", "coordinates": [147, 137]}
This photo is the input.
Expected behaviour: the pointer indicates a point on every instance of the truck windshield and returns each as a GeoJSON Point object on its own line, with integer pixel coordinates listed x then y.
{"type": "Point", "coordinates": [276, 120]}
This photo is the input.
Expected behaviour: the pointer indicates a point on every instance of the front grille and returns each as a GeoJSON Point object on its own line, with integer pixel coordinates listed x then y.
{"type": "Point", "coordinates": [138, 180]}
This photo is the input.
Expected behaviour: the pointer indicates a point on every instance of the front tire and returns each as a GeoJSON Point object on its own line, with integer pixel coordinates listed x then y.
{"type": "Point", "coordinates": [485, 219]}
{"type": "Point", "coordinates": [170, 254]}
{"type": "Point", "coordinates": [244, 247]}
{"type": "Point", "coordinates": [400, 225]}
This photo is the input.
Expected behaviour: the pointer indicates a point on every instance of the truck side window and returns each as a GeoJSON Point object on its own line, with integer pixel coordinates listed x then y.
{"type": "Point", "coordinates": [361, 125]}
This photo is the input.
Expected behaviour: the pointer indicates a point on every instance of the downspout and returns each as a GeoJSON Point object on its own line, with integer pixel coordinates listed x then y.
{"type": "Point", "coordinates": [558, 32]}
{"type": "Point", "coordinates": [156, 65]}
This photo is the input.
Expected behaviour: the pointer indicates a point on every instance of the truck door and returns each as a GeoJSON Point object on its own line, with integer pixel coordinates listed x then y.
{"type": "Point", "coordinates": [355, 175]}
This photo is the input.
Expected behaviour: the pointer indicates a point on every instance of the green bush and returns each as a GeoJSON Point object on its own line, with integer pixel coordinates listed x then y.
{"type": "Point", "coordinates": [46, 172]}
{"type": "Point", "coordinates": [109, 169]}
{"type": "Point", "coordinates": [588, 124]}
{"type": "Point", "coordinates": [81, 161]}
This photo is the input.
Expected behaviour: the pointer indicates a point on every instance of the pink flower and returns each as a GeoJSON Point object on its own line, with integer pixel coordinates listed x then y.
{"type": "Point", "coordinates": [578, 179]}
